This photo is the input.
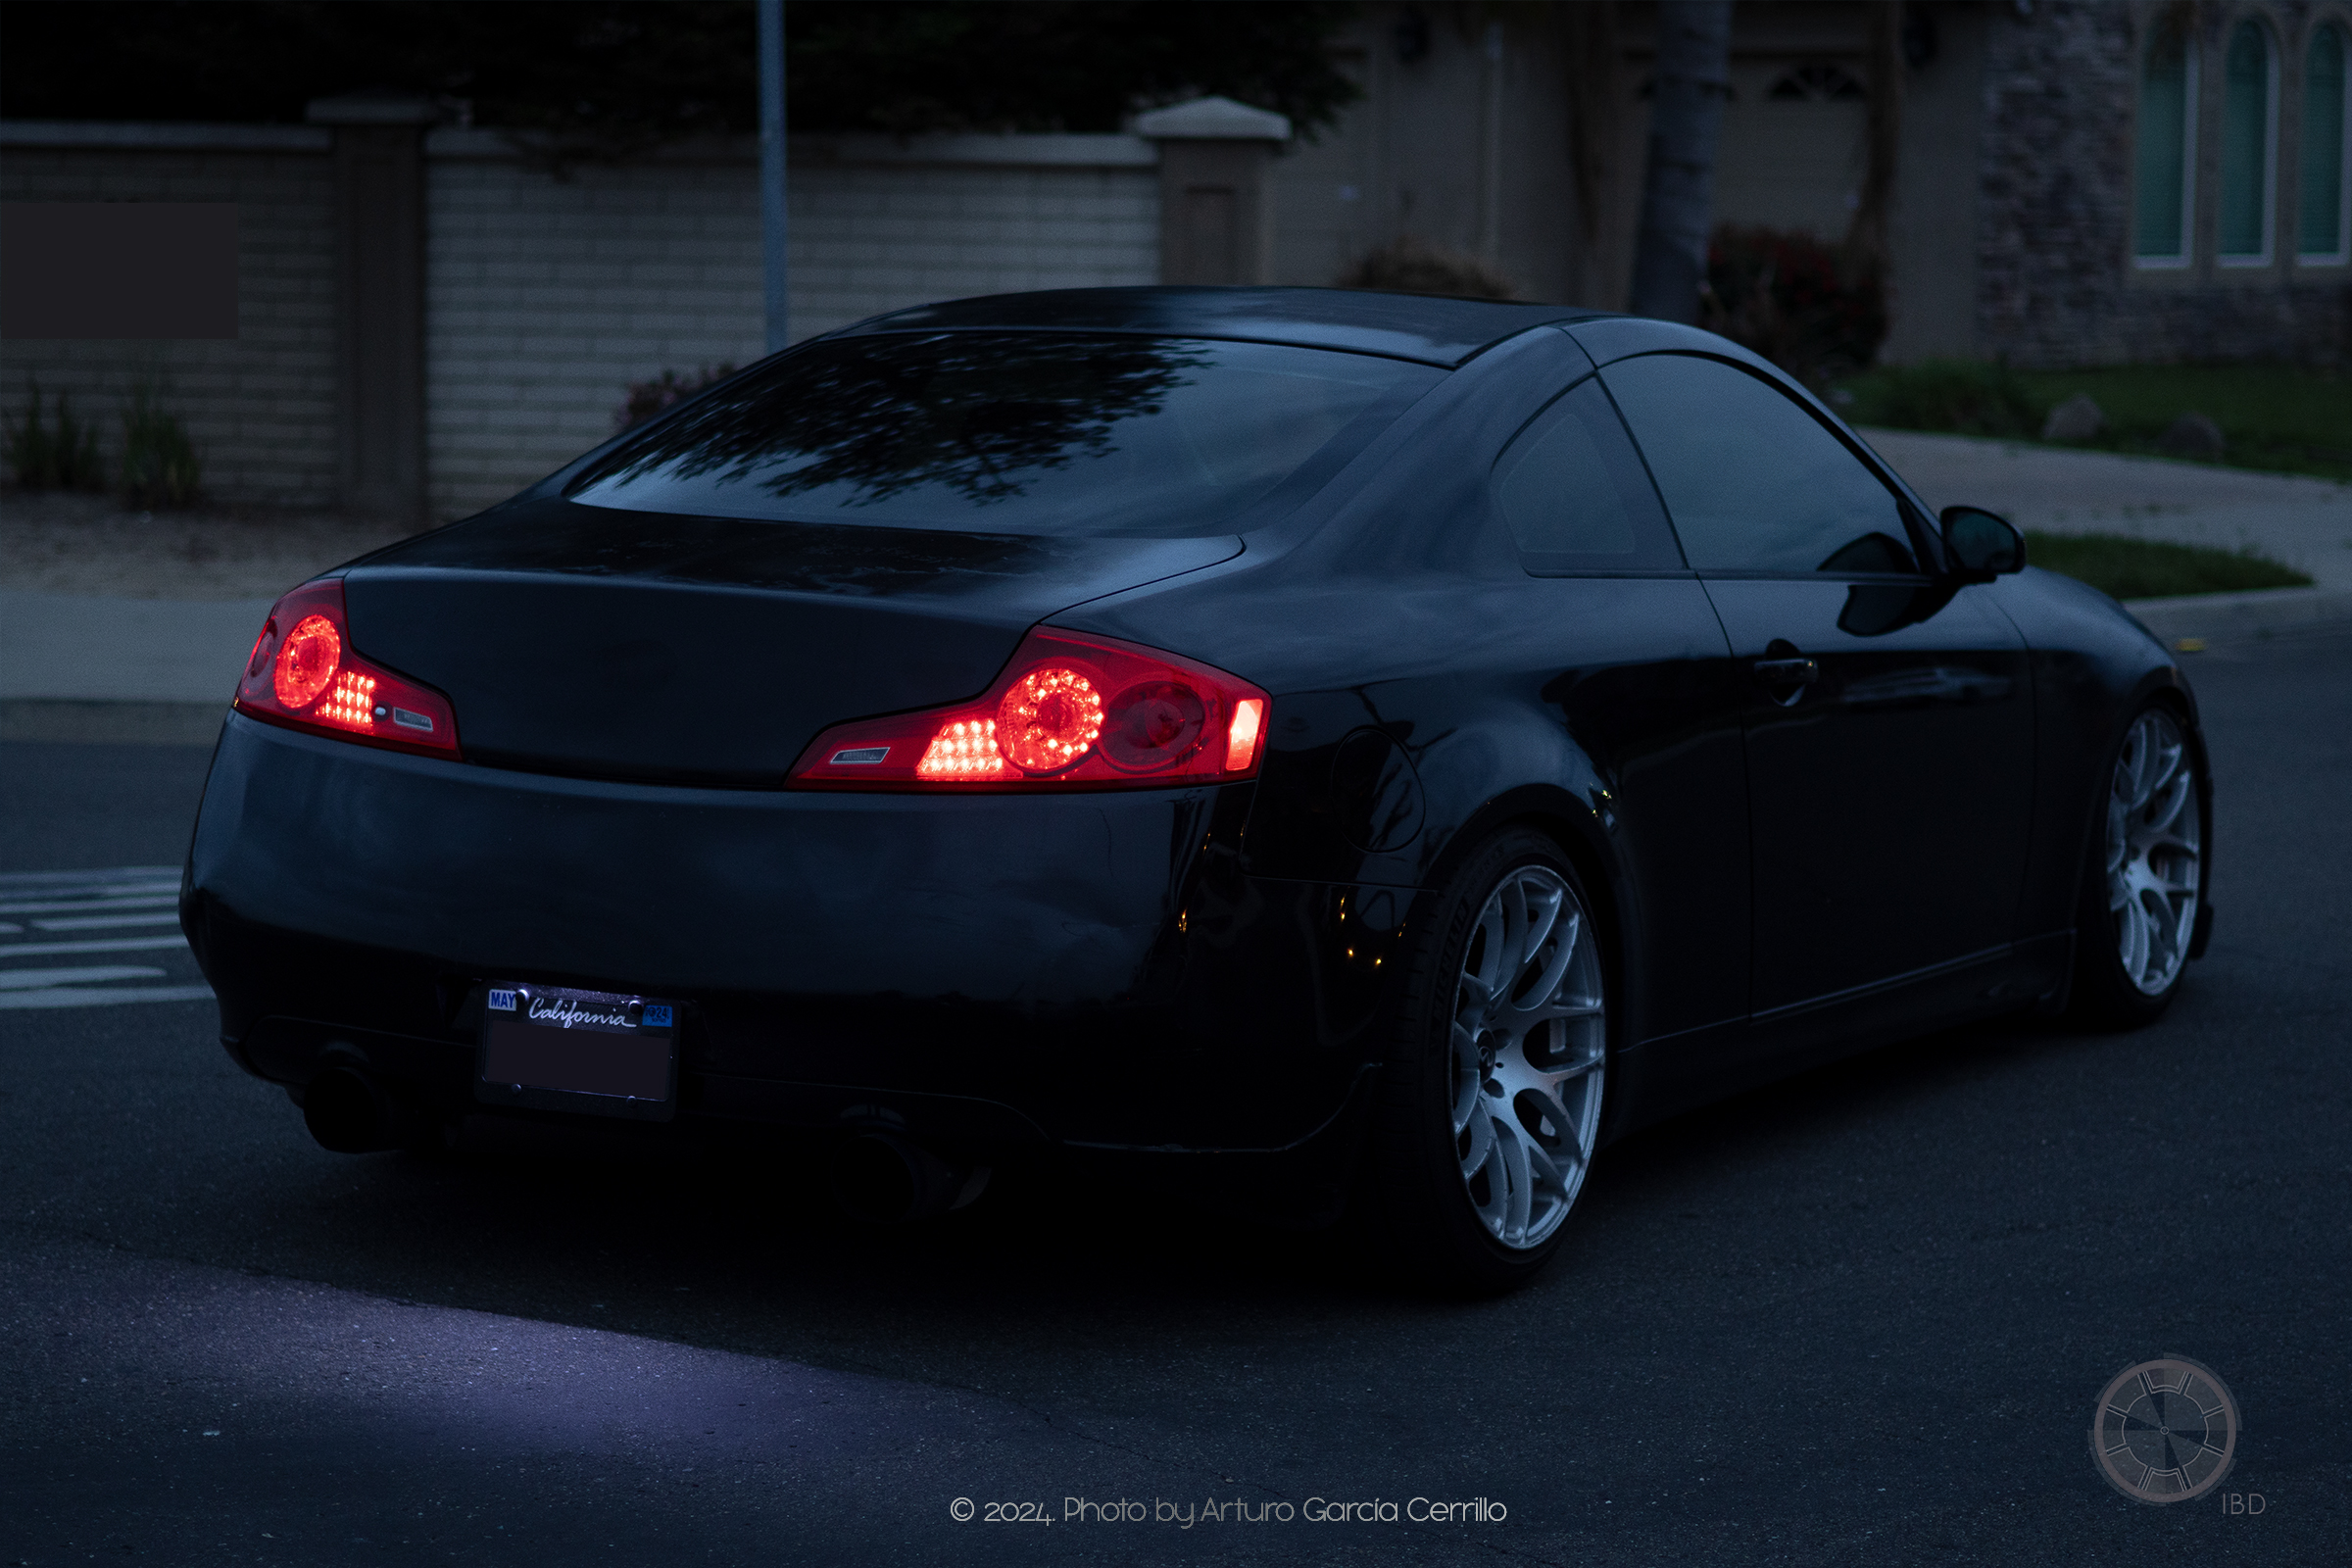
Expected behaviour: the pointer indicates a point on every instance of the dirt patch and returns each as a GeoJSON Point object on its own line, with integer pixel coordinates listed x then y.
{"type": "Point", "coordinates": [64, 543]}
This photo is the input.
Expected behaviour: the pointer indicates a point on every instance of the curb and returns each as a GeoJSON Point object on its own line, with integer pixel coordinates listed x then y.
{"type": "Point", "coordinates": [2242, 617]}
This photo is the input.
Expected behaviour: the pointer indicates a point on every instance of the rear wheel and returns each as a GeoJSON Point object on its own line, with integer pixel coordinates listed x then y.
{"type": "Point", "coordinates": [1491, 1104]}
{"type": "Point", "coordinates": [2141, 885]}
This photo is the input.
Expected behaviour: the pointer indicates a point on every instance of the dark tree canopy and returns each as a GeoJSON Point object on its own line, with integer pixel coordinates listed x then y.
{"type": "Point", "coordinates": [610, 78]}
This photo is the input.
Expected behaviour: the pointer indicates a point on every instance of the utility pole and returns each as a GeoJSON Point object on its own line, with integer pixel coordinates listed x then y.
{"type": "Point", "coordinates": [775, 219]}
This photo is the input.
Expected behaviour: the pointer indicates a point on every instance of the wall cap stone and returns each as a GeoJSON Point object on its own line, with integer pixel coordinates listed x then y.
{"type": "Point", "coordinates": [1213, 119]}
{"type": "Point", "coordinates": [374, 105]}
{"type": "Point", "coordinates": [165, 136]}
{"type": "Point", "coordinates": [846, 150]}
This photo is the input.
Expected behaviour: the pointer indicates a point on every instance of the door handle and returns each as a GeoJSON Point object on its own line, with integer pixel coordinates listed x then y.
{"type": "Point", "coordinates": [1788, 671]}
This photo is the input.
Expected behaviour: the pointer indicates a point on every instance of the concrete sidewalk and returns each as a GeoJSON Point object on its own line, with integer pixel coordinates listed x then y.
{"type": "Point", "coordinates": [2304, 523]}
{"type": "Point", "coordinates": [67, 646]}
{"type": "Point", "coordinates": [75, 667]}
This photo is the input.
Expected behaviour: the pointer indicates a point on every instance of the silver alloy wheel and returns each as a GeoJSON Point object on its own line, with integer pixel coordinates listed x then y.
{"type": "Point", "coordinates": [2153, 854]}
{"type": "Point", "coordinates": [1527, 1055]}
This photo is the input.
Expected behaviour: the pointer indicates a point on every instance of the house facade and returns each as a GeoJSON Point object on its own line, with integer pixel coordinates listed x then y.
{"type": "Point", "coordinates": [2062, 181]}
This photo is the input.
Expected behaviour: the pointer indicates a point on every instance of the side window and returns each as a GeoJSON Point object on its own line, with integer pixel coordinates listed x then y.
{"type": "Point", "coordinates": [1752, 481]}
{"type": "Point", "coordinates": [1572, 489]}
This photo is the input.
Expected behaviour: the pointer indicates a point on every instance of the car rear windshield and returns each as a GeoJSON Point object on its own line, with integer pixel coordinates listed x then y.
{"type": "Point", "coordinates": [1014, 433]}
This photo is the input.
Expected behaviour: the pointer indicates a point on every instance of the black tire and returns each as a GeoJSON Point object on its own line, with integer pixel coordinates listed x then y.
{"type": "Point", "coordinates": [1432, 1224]}
{"type": "Point", "coordinates": [2132, 940]}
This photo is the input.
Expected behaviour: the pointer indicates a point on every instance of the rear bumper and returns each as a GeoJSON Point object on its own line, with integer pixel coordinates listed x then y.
{"type": "Point", "coordinates": [986, 971]}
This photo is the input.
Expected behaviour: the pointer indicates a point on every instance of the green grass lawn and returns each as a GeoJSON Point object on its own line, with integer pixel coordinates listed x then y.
{"type": "Point", "coordinates": [2142, 569]}
{"type": "Point", "coordinates": [2284, 417]}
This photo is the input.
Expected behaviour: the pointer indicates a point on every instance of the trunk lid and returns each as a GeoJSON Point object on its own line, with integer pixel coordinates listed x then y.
{"type": "Point", "coordinates": [612, 643]}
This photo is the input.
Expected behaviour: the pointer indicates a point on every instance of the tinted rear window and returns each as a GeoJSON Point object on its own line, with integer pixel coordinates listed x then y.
{"type": "Point", "coordinates": [1014, 433]}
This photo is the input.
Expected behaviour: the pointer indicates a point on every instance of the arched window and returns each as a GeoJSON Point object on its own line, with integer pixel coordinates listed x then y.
{"type": "Point", "coordinates": [2162, 178]}
{"type": "Point", "coordinates": [2249, 141]}
{"type": "Point", "coordinates": [2324, 229]}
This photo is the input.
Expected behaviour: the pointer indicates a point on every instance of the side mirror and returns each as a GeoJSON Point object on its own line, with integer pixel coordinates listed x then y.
{"type": "Point", "coordinates": [1981, 545]}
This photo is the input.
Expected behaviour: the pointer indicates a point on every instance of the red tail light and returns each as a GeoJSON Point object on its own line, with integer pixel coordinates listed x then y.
{"type": "Point", "coordinates": [304, 674]}
{"type": "Point", "coordinates": [1070, 712]}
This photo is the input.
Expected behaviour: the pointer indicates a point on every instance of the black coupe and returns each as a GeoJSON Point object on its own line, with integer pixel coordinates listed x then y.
{"type": "Point", "coordinates": [1350, 749]}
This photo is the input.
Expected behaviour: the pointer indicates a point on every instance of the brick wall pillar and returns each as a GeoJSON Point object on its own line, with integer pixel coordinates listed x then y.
{"type": "Point", "coordinates": [379, 306]}
{"type": "Point", "coordinates": [1215, 218]}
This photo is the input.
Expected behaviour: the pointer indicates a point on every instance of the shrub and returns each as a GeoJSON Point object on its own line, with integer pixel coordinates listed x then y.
{"type": "Point", "coordinates": [1964, 396]}
{"type": "Point", "coordinates": [1815, 311]}
{"type": "Point", "coordinates": [649, 398]}
{"type": "Point", "coordinates": [1409, 267]}
{"type": "Point", "coordinates": [65, 457]}
{"type": "Point", "coordinates": [160, 465]}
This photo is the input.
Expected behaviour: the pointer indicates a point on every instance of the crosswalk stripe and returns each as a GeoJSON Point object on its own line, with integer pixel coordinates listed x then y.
{"type": "Point", "coordinates": [14, 950]}
{"type": "Point", "coordinates": [76, 997]}
{"type": "Point", "coordinates": [166, 878]}
{"type": "Point", "coordinates": [102, 902]}
{"type": "Point", "coordinates": [97, 922]}
{"type": "Point", "coordinates": [41, 979]}
{"type": "Point", "coordinates": [106, 902]}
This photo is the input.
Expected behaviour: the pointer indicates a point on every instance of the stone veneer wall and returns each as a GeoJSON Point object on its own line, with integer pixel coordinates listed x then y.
{"type": "Point", "coordinates": [2056, 284]}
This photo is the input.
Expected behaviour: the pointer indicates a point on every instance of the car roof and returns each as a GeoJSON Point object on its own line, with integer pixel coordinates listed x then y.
{"type": "Point", "coordinates": [1434, 329]}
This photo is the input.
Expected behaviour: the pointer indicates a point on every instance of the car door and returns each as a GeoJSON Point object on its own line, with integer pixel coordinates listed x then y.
{"type": "Point", "coordinates": [1888, 713]}
{"type": "Point", "coordinates": [1636, 667]}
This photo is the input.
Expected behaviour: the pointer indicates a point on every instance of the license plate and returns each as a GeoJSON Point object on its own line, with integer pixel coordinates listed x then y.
{"type": "Point", "coordinates": [553, 1047]}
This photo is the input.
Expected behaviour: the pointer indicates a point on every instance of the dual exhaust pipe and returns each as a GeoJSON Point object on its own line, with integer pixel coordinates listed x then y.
{"type": "Point", "coordinates": [350, 1113]}
{"type": "Point", "coordinates": [884, 1179]}
{"type": "Point", "coordinates": [878, 1177]}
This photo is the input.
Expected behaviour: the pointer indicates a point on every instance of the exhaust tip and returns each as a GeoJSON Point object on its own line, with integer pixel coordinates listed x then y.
{"type": "Point", "coordinates": [883, 1179]}
{"type": "Point", "coordinates": [348, 1114]}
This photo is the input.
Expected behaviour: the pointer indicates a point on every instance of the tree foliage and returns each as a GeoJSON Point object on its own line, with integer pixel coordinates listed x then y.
{"type": "Point", "coordinates": [611, 78]}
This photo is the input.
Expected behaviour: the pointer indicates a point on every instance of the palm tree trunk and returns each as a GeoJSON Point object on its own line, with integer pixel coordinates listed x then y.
{"type": "Point", "coordinates": [1678, 193]}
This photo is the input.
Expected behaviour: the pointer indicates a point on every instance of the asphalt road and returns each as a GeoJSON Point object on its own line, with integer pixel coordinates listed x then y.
{"type": "Point", "coordinates": [1860, 1317]}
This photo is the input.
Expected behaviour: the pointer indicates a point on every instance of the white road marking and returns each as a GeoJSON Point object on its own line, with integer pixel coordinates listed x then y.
{"type": "Point", "coordinates": [69, 906]}
{"type": "Point", "coordinates": [97, 922]}
{"type": "Point", "coordinates": [96, 901]}
{"type": "Point", "coordinates": [114, 877]}
{"type": "Point", "coordinates": [36, 979]}
{"type": "Point", "coordinates": [73, 996]}
{"type": "Point", "coordinates": [28, 949]}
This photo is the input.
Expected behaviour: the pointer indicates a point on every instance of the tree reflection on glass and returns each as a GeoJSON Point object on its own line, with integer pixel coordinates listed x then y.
{"type": "Point", "coordinates": [1030, 432]}
{"type": "Point", "coordinates": [980, 414]}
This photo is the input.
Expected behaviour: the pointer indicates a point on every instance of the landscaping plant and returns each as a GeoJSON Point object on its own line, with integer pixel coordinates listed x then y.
{"type": "Point", "coordinates": [62, 458]}
{"type": "Point", "coordinates": [649, 398]}
{"type": "Point", "coordinates": [160, 465]}
{"type": "Point", "coordinates": [1818, 312]}
{"type": "Point", "coordinates": [1409, 267]}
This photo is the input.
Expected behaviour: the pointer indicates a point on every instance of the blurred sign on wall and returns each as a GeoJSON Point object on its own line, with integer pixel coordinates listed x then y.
{"type": "Point", "coordinates": [119, 269]}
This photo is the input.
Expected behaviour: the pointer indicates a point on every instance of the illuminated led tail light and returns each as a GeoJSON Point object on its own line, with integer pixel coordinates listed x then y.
{"type": "Point", "coordinates": [1070, 711]}
{"type": "Point", "coordinates": [304, 674]}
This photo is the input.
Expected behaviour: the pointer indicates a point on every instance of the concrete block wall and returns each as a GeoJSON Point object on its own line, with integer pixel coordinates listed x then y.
{"type": "Point", "coordinates": [261, 406]}
{"type": "Point", "coordinates": [545, 297]}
